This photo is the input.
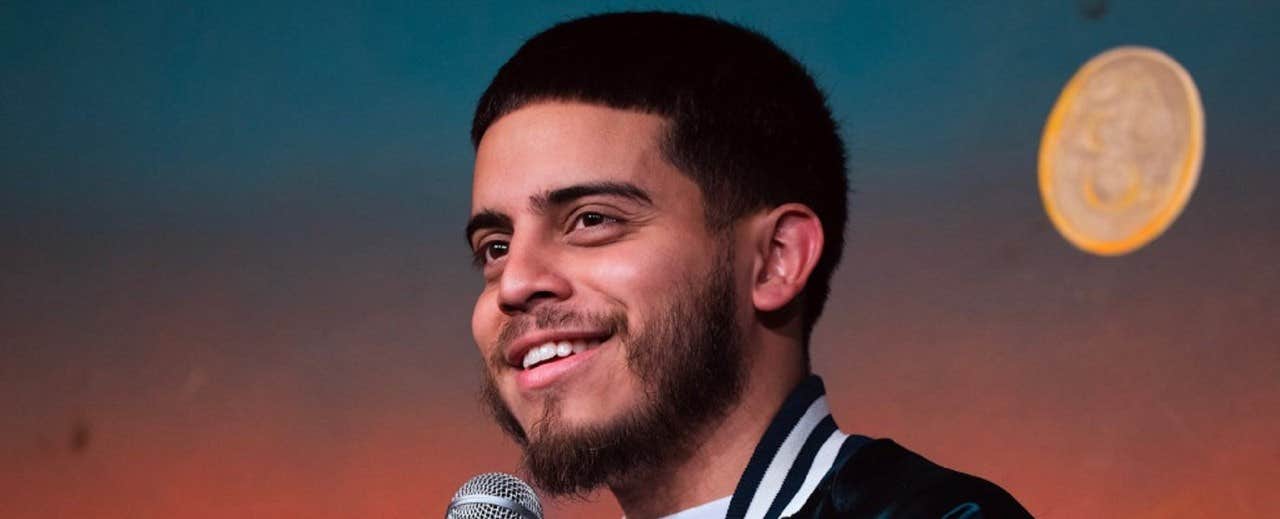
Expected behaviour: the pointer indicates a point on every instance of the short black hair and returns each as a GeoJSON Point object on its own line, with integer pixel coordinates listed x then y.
{"type": "Point", "coordinates": [746, 122]}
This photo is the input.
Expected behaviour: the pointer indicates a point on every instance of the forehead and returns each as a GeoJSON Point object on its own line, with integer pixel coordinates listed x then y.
{"type": "Point", "coordinates": [549, 145]}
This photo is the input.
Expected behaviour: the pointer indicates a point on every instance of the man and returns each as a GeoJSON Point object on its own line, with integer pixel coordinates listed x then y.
{"type": "Point", "coordinates": [658, 206]}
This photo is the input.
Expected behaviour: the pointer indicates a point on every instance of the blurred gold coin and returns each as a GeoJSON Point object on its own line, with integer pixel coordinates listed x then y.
{"type": "Point", "coordinates": [1121, 152]}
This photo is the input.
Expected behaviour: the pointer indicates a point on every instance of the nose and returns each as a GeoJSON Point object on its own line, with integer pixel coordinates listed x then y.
{"type": "Point", "coordinates": [531, 276]}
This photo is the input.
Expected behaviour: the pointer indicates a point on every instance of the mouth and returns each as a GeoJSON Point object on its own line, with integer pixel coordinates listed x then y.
{"type": "Point", "coordinates": [540, 359]}
{"type": "Point", "coordinates": [552, 351]}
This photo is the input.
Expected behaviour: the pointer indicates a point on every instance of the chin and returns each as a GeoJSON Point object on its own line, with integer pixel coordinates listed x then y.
{"type": "Point", "coordinates": [573, 412]}
{"type": "Point", "coordinates": [578, 417]}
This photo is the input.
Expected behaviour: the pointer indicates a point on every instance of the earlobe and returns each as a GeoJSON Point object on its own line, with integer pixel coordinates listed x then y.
{"type": "Point", "coordinates": [790, 246]}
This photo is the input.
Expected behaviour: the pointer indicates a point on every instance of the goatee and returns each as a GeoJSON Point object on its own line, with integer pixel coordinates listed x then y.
{"type": "Point", "coordinates": [691, 363]}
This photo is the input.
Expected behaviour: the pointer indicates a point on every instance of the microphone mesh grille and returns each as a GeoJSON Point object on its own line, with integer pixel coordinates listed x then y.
{"type": "Point", "coordinates": [495, 484]}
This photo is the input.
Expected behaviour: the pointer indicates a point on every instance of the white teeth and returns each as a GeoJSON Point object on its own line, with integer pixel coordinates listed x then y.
{"type": "Point", "coordinates": [550, 350]}
{"type": "Point", "coordinates": [538, 354]}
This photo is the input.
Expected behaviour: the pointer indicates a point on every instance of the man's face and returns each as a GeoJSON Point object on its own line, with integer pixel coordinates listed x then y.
{"type": "Point", "coordinates": [593, 246]}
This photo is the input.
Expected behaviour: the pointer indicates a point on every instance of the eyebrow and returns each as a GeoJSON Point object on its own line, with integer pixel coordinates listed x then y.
{"type": "Point", "coordinates": [541, 202]}
{"type": "Point", "coordinates": [487, 219]}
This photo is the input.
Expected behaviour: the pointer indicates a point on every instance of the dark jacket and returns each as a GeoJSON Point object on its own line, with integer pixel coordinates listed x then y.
{"type": "Point", "coordinates": [883, 480]}
{"type": "Point", "coordinates": [805, 467]}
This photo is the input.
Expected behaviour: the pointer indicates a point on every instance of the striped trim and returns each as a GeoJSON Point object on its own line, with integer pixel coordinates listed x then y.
{"type": "Point", "coordinates": [781, 464]}
{"type": "Point", "coordinates": [822, 464]}
{"type": "Point", "coordinates": [784, 458]}
{"type": "Point", "coordinates": [803, 465]}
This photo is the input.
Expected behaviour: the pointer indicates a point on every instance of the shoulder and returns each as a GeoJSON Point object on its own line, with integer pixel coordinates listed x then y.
{"type": "Point", "coordinates": [883, 479]}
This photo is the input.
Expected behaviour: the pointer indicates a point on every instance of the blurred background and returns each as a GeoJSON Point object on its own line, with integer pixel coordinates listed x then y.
{"type": "Point", "coordinates": [233, 281]}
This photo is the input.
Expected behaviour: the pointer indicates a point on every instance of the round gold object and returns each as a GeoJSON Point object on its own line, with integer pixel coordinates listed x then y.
{"type": "Point", "coordinates": [1121, 152]}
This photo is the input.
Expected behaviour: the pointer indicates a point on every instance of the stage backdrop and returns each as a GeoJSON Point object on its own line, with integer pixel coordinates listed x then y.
{"type": "Point", "coordinates": [233, 281]}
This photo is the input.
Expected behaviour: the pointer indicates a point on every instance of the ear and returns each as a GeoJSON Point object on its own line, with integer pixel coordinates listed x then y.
{"type": "Point", "coordinates": [788, 246]}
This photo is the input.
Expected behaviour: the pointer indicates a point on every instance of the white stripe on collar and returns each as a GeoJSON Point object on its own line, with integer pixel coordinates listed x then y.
{"type": "Point", "coordinates": [821, 464]}
{"type": "Point", "coordinates": [786, 455]}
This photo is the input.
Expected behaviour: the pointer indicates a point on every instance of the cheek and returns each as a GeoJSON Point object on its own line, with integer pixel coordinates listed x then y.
{"type": "Point", "coordinates": [639, 276]}
{"type": "Point", "coordinates": [484, 325]}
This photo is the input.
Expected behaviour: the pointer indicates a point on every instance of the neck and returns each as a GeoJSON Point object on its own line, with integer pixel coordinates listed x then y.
{"type": "Point", "coordinates": [712, 471]}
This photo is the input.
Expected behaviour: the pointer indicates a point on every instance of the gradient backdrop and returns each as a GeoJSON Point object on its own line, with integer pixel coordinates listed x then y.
{"type": "Point", "coordinates": [233, 281]}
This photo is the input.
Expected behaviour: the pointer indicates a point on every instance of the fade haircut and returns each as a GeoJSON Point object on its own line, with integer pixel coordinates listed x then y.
{"type": "Point", "coordinates": [745, 121]}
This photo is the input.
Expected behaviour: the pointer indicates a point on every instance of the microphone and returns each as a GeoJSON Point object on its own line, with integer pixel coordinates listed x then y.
{"type": "Point", "coordinates": [494, 496]}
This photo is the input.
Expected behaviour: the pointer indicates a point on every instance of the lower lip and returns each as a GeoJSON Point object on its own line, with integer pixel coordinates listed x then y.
{"type": "Point", "coordinates": [542, 376]}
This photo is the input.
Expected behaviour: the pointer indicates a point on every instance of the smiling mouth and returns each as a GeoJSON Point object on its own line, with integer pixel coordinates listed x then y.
{"type": "Point", "coordinates": [552, 351]}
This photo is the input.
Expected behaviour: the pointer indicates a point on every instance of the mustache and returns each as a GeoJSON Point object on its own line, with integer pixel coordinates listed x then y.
{"type": "Point", "coordinates": [551, 317]}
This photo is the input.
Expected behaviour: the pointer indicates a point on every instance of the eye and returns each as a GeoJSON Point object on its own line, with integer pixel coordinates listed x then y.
{"type": "Point", "coordinates": [592, 220]}
{"type": "Point", "coordinates": [490, 252]}
{"type": "Point", "coordinates": [496, 249]}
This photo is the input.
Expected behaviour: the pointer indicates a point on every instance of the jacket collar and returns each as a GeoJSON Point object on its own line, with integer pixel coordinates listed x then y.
{"type": "Point", "coordinates": [794, 455]}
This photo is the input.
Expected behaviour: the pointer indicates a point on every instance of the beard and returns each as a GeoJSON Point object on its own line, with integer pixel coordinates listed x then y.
{"type": "Point", "coordinates": [691, 363]}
